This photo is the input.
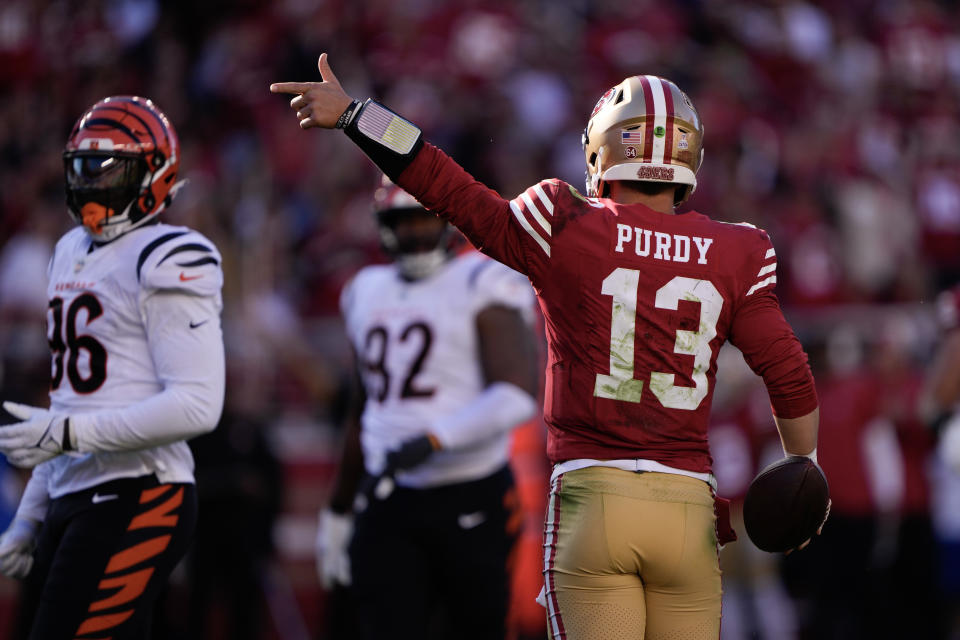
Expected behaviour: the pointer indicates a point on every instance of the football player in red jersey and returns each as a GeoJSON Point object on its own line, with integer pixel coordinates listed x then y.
{"type": "Point", "coordinates": [637, 301]}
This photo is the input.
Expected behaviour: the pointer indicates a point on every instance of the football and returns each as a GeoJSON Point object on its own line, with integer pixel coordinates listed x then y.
{"type": "Point", "coordinates": [785, 504]}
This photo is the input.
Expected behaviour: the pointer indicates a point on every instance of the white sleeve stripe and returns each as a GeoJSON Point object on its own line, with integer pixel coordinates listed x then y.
{"type": "Point", "coordinates": [536, 213]}
{"type": "Point", "coordinates": [761, 284]}
{"type": "Point", "coordinates": [529, 229]}
{"type": "Point", "coordinates": [767, 269]}
{"type": "Point", "coordinates": [770, 253]}
{"type": "Point", "coordinates": [543, 198]}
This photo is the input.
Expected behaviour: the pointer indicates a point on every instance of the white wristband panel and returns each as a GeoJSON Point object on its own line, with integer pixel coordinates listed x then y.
{"type": "Point", "coordinates": [387, 128]}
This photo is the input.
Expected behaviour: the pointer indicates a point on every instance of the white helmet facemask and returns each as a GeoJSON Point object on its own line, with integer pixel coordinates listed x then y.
{"type": "Point", "coordinates": [417, 266]}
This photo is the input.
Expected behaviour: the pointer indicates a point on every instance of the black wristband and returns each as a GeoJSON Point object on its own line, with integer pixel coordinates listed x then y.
{"type": "Point", "coordinates": [347, 116]}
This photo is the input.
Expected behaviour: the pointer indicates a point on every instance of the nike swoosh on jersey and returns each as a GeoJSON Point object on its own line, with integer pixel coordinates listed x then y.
{"type": "Point", "coordinates": [97, 498]}
{"type": "Point", "coordinates": [194, 325]}
{"type": "Point", "coordinates": [471, 520]}
{"type": "Point", "coordinates": [185, 278]}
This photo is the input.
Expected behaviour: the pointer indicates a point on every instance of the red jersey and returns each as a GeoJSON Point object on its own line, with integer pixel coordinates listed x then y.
{"type": "Point", "coordinates": [636, 306]}
{"type": "Point", "coordinates": [849, 404]}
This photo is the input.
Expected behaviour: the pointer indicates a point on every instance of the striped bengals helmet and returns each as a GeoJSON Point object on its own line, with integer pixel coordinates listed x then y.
{"type": "Point", "coordinates": [645, 128]}
{"type": "Point", "coordinates": [121, 163]}
{"type": "Point", "coordinates": [417, 252]}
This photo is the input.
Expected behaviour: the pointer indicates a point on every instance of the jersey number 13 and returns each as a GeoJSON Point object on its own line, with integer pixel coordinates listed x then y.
{"type": "Point", "coordinates": [622, 284]}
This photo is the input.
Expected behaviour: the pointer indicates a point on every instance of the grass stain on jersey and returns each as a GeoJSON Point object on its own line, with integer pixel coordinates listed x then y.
{"type": "Point", "coordinates": [627, 390]}
{"type": "Point", "coordinates": [686, 342]}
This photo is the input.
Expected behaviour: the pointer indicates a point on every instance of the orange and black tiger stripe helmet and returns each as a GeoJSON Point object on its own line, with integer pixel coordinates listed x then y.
{"type": "Point", "coordinates": [121, 162]}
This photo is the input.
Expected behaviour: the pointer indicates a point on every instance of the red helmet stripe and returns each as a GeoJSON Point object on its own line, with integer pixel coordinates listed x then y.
{"type": "Point", "coordinates": [657, 119]}
{"type": "Point", "coordinates": [648, 123]}
{"type": "Point", "coordinates": [668, 143]}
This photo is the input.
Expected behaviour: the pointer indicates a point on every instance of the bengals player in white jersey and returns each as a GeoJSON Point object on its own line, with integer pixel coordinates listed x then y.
{"type": "Point", "coordinates": [137, 369]}
{"type": "Point", "coordinates": [446, 368]}
{"type": "Point", "coordinates": [637, 301]}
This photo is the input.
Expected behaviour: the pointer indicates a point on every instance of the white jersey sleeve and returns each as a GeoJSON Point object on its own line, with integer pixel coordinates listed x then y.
{"type": "Point", "coordinates": [496, 410]}
{"type": "Point", "coordinates": [495, 284]}
{"type": "Point", "coordinates": [500, 406]}
{"type": "Point", "coordinates": [180, 305]}
{"type": "Point", "coordinates": [181, 261]}
{"type": "Point", "coordinates": [35, 499]}
{"type": "Point", "coordinates": [185, 341]}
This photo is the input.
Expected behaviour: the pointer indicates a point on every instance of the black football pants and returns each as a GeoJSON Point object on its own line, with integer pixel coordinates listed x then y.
{"type": "Point", "coordinates": [103, 556]}
{"type": "Point", "coordinates": [433, 563]}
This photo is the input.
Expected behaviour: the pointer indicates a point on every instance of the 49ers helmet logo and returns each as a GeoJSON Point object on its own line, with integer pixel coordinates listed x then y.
{"type": "Point", "coordinates": [657, 174]}
{"type": "Point", "coordinates": [604, 99]}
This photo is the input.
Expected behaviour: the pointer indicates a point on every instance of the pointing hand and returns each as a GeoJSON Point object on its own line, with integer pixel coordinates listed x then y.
{"type": "Point", "coordinates": [318, 104]}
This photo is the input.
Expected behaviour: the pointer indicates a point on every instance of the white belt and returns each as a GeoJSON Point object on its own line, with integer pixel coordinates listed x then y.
{"type": "Point", "coordinates": [636, 465]}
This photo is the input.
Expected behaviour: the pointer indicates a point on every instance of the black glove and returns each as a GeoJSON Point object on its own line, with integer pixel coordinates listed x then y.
{"type": "Point", "coordinates": [410, 454]}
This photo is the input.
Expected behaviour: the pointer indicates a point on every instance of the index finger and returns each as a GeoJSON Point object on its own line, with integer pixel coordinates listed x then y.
{"type": "Point", "coordinates": [18, 410]}
{"type": "Point", "coordinates": [292, 87]}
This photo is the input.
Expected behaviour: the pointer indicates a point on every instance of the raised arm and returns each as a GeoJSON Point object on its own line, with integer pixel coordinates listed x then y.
{"type": "Point", "coordinates": [508, 231]}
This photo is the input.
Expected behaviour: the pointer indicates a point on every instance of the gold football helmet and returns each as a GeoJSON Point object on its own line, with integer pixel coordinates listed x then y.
{"type": "Point", "coordinates": [645, 128]}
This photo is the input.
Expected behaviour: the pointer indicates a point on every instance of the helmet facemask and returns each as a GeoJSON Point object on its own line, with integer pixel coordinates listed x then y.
{"type": "Point", "coordinates": [417, 241]}
{"type": "Point", "coordinates": [102, 189]}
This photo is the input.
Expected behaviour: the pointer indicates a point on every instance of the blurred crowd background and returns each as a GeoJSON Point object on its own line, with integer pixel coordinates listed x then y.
{"type": "Point", "coordinates": [833, 125]}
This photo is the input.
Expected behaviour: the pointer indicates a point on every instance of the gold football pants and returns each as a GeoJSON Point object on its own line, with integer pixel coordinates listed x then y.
{"type": "Point", "coordinates": [631, 555]}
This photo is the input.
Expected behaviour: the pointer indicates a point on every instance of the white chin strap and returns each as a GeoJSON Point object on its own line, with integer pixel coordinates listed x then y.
{"type": "Point", "coordinates": [593, 181]}
{"type": "Point", "coordinates": [420, 265]}
{"type": "Point", "coordinates": [593, 185]}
